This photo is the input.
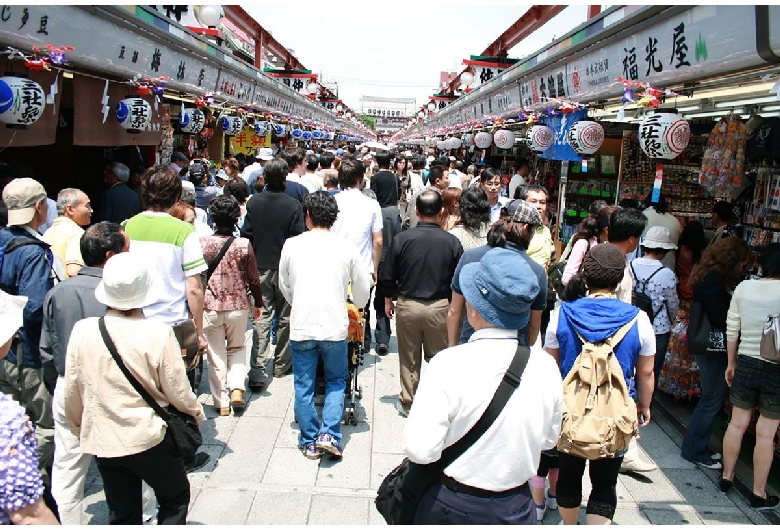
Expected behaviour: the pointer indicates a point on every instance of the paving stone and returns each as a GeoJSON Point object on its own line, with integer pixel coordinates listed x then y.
{"type": "Point", "coordinates": [374, 517]}
{"type": "Point", "coordinates": [289, 467]}
{"type": "Point", "coordinates": [354, 470]}
{"type": "Point", "coordinates": [95, 506]}
{"type": "Point", "coordinates": [696, 488]}
{"type": "Point", "coordinates": [279, 508]}
{"type": "Point", "coordinates": [221, 506]}
{"type": "Point", "coordinates": [218, 429]}
{"type": "Point", "coordinates": [273, 401]}
{"type": "Point", "coordinates": [721, 518]}
{"type": "Point", "coordinates": [661, 449]}
{"type": "Point", "coordinates": [626, 514]}
{"type": "Point", "coordinates": [674, 517]}
{"type": "Point", "coordinates": [246, 454]}
{"type": "Point", "coordinates": [381, 465]}
{"type": "Point", "coordinates": [199, 477]}
{"type": "Point", "coordinates": [652, 487]}
{"type": "Point", "coordinates": [331, 509]}
{"type": "Point", "coordinates": [388, 429]}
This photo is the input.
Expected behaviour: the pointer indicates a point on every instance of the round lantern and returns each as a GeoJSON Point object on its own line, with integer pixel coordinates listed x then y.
{"type": "Point", "coordinates": [539, 138]}
{"type": "Point", "coordinates": [455, 143]}
{"type": "Point", "coordinates": [483, 140]}
{"type": "Point", "coordinates": [585, 137]}
{"type": "Point", "coordinates": [21, 101]}
{"type": "Point", "coordinates": [664, 135]}
{"type": "Point", "coordinates": [209, 16]}
{"type": "Point", "coordinates": [467, 78]}
{"type": "Point", "coordinates": [191, 121]}
{"type": "Point", "coordinates": [318, 135]}
{"type": "Point", "coordinates": [468, 140]}
{"type": "Point", "coordinates": [133, 114]}
{"type": "Point", "coordinates": [279, 129]}
{"type": "Point", "coordinates": [504, 139]}
{"type": "Point", "coordinates": [441, 144]}
{"type": "Point", "coordinates": [231, 125]}
{"type": "Point", "coordinates": [307, 135]}
{"type": "Point", "coordinates": [329, 136]}
{"type": "Point", "coordinates": [297, 134]}
{"type": "Point", "coordinates": [262, 128]}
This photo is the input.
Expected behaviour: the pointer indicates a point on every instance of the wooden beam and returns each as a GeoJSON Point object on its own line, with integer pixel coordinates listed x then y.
{"type": "Point", "coordinates": [252, 28]}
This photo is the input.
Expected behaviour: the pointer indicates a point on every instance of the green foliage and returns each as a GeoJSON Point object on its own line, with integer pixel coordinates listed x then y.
{"type": "Point", "coordinates": [368, 120]}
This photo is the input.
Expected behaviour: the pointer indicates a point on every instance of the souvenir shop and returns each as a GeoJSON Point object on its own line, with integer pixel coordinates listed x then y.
{"type": "Point", "coordinates": [682, 101]}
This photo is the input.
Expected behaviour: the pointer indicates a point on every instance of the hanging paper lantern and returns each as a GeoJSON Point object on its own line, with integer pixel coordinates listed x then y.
{"type": "Point", "coordinates": [329, 135]}
{"type": "Point", "coordinates": [279, 129]}
{"type": "Point", "coordinates": [585, 137]}
{"type": "Point", "coordinates": [664, 135]}
{"type": "Point", "coordinates": [318, 135]}
{"type": "Point", "coordinates": [21, 101]}
{"type": "Point", "coordinates": [133, 114]}
{"type": "Point", "coordinates": [455, 142]}
{"type": "Point", "coordinates": [468, 140]}
{"type": "Point", "coordinates": [307, 135]}
{"type": "Point", "coordinates": [231, 125]}
{"type": "Point", "coordinates": [441, 144]}
{"type": "Point", "coordinates": [504, 139]}
{"type": "Point", "coordinates": [483, 140]}
{"type": "Point", "coordinates": [191, 121]}
{"type": "Point", "coordinates": [262, 128]}
{"type": "Point", "coordinates": [539, 138]}
{"type": "Point", "coordinates": [297, 133]}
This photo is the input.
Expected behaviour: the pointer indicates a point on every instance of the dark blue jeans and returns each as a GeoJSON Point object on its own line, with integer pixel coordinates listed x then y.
{"type": "Point", "coordinates": [661, 345]}
{"type": "Point", "coordinates": [441, 505]}
{"type": "Point", "coordinates": [712, 367]}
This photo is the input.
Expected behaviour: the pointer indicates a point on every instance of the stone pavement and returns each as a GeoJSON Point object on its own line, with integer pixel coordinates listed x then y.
{"type": "Point", "coordinates": [257, 475]}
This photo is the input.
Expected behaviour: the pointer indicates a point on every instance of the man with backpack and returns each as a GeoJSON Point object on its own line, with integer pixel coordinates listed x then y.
{"type": "Point", "coordinates": [26, 269]}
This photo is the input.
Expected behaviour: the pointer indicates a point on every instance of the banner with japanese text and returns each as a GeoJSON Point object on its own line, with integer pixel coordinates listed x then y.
{"type": "Point", "coordinates": [247, 142]}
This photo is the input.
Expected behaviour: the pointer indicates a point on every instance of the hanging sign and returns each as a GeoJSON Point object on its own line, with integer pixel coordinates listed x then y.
{"type": "Point", "coordinates": [248, 142]}
{"type": "Point", "coordinates": [658, 182]}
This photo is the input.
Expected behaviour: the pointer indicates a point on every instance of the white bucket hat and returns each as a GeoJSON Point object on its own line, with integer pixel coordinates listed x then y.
{"type": "Point", "coordinates": [658, 237]}
{"type": "Point", "coordinates": [128, 283]}
{"type": "Point", "coordinates": [11, 315]}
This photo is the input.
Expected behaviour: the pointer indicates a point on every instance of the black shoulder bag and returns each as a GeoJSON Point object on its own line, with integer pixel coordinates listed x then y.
{"type": "Point", "coordinates": [403, 488]}
{"type": "Point", "coordinates": [183, 432]}
{"type": "Point", "coordinates": [213, 265]}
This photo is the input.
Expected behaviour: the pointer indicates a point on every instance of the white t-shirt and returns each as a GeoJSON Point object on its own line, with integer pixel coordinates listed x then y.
{"type": "Point", "coordinates": [517, 180]}
{"type": "Point", "coordinates": [359, 218]}
{"type": "Point", "coordinates": [314, 270]}
{"type": "Point", "coordinates": [752, 302]}
{"type": "Point", "coordinates": [313, 182]}
{"type": "Point", "coordinates": [495, 211]}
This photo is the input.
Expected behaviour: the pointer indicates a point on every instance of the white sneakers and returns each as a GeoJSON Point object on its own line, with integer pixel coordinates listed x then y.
{"type": "Point", "coordinates": [637, 465]}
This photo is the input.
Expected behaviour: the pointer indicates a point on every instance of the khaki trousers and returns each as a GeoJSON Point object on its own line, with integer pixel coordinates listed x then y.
{"type": "Point", "coordinates": [225, 332]}
{"type": "Point", "coordinates": [418, 324]}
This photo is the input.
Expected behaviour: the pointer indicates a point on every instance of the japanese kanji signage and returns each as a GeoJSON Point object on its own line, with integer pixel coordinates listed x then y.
{"type": "Point", "coordinates": [247, 142]}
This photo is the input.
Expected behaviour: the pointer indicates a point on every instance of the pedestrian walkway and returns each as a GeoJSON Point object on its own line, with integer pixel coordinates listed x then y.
{"type": "Point", "coordinates": [257, 475]}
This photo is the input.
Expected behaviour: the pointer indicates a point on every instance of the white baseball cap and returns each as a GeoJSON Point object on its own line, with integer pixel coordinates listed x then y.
{"type": "Point", "coordinates": [128, 283]}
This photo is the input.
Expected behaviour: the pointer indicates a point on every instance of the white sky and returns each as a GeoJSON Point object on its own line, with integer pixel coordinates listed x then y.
{"type": "Point", "coordinates": [397, 49]}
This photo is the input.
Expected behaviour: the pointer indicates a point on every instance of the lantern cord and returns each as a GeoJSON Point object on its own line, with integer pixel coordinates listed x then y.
{"type": "Point", "coordinates": [9, 142]}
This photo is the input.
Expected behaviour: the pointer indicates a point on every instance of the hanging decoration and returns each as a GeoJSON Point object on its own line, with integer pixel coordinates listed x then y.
{"type": "Point", "coordinates": [191, 121]}
{"type": "Point", "coordinates": [133, 114]}
{"type": "Point", "coordinates": [483, 140]}
{"type": "Point", "coordinates": [723, 164]}
{"type": "Point", "coordinates": [468, 140]}
{"type": "Point", "coordinates": [585, 137]}
{"type": "Point", "coordinates": [280, 129]}
{"type": "Point", "coordinates": [318, 134]}
{"type": "Point", "coordinates": [307, 135]}
{"type": "Point", "coordinates": [231, 125]}
{"type": "Point", "coordinates": [649, 97]}
{"type": "Point", "coordinates": [539, 138]}
{"type": "Point", "coordinates": [297, 133]}
{"type": "Point", "coordinates": [664, 135]}
{"type": "Point", "coordinates": [504, 139]}
{"type": "Point", "coordinates": [21, 101]}
{"type": "Point", "coordinates": [262, 128]}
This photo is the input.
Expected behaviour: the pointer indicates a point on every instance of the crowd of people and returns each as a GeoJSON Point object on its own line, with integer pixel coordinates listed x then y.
{"type": "Point", "coordinates": [184, 265]}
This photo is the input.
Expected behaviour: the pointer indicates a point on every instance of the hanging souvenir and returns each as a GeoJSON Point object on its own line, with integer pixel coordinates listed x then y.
{"type": "Point", "coordinates": [585, 137]}
{"type": "Point", "coordinates": [664, 135]}
{"type": "Point", "coordinates": [191, 121]}
{"type": "Point", "coordinates": [133, 114]}
{"type": "Point", "coordinates": [483, 140]}
{"type": "Point", "coordinates": [723, 164]}
{"type": "Point", "coordinates": [539, 138]}
{"type": "Point", "coordinates": [21, 101]}
{"type": "Point", "coordinates": [231, 125]}
{"type": "Point", "coordinates": [504, 139]}
{"type": "Point", "coordinates": [317, 134]}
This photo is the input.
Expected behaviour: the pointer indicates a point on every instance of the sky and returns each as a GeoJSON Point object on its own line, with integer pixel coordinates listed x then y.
{"type": "Point", "coordinates": [397, 49]}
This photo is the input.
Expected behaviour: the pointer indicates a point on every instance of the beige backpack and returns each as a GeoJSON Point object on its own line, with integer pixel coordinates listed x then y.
{"type": "Point", "coordinates": [599, 417]}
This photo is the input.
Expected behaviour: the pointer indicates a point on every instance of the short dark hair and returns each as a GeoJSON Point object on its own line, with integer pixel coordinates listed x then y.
{"type": "Point", "coordinates": [626, 223]}
{"type": "Point", "coordinates": [429, 203]}
{"type": "Point", "coordinates": [596, 206]}
{"type": "Point", "coordinates": [312, 162]}
{"type": "Point", "coordinates": [350, 173]}
{"type": "Point", "coordinates": [770, 261]}
{"type": "Point", "coordinates": [238, 189]}
{"type": "Point", "coordinates": [474, 208]}
{"type": "Point", "coordinates": [293, 156]}
{"type": "Point", "coordinates": [322, 208]}
{"type": "Point", "coordinates": [435, 173]}
{"type": "Point", "coordinates": [659, 205]}
{"type": "Point", "coordinates": [326, 160]}
{"type": "Point", "coordinates": [224, 213]}
{"type": "Point", "coordinates": [275, 174]}
{"type": "Point", "coordinates": [161, 188]}
{"type": "Point", "coordinates": [489, 173]}
{"type": "Point", "coordinates": [724, 210]}
{"type": "Point", "coordinates": [418, 163]}
{"type": "Point", "coordinates": [383, 160]}
{"type": "Point", "coordinates": [99, 239]}
{"type": "Point", "coordinates": [521, 163]}
{"type": "Point", "coordinates": [524, 189]}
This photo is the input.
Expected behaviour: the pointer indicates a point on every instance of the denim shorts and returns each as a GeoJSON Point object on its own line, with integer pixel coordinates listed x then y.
{"type": "Point", "coordinates": [757, 383]}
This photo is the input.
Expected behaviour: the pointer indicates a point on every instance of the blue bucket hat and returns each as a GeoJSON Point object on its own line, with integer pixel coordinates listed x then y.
{"type": "Point", "coordinates": [501, 288]}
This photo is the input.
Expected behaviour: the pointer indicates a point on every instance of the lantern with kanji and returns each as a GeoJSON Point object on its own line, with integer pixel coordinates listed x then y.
{"type": "Point", "coordinates": [468, 140]}
{"type": "Point", "coordinates": [191, 121]}
{"type": "Point", "coordinates": [297, 133]}
{"type": "Point", "coordinates": [262, 128]}
{"type": "Point", "coordinates": [318, 134]}
{"type": "Point", "coordinates": [664, 135]}
{"type": "Point", "coordinates": [539, 138]}
{"type": "Point", "coordinates": [280, 129]}
{"type": "Point", "coordinates": [133, 114]}
{"type": "Point", "coordinates": [455, 143]}
{"type": "Point", "coordinates": [441, 144]}
{"type": "Point", "coordinates": [231, 125]}
{"type": "Point", "coordinates": [483, 140]}
{"type": "Point", "coordinates": [504, 139]}
{"type": "Point", "coordinates": [585, 137]}
{"type": "Point", "coordinates": [21, 101]}
{"type": "Point", "coordinates": [306, 135]}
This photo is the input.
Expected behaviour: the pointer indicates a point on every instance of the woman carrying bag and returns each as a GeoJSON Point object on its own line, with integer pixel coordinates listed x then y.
{"type": "Point", "coordinates": [114, 422]}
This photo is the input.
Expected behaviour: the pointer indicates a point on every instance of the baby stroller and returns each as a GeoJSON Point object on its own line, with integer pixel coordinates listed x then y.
{"type": "Point", "coordinates": [356, 354]}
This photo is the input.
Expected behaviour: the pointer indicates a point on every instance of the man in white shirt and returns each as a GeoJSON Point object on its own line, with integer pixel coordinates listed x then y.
{"type": "Point", "coordinates": [360, 222]}
{"type": "Point", "coordinates": [457, 389]}
{"type": "Point", "coordinates": [310, 178]}
{"type": "Point", "coordinates": [519, 178]}
{"type": "Point", "coordinates": [256, 169]}
{"type": "Point", "coordinates": [657, 216]}
{"type": "Point", "coordinates": [322, 262]}
{"type": "Point", "coordinates": [179, 161]}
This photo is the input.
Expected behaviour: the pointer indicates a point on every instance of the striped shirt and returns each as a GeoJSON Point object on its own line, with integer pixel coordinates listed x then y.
{"type": "Point", "coordinates": [172, 248]}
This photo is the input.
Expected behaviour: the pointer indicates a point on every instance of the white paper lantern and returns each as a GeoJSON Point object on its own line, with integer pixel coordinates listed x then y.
{"type": "Point", "coordinates": [504, 139]}
{"type": "Point", "coordinates": [664, 135]}
{"type": "Point", "coordinates": [306, 135]}
{"type": "Point", "coordinates": [231, 125]}
{"type": "Point", "coordinates": [133, 114]}
{"type": "Point", "coordinates": [280, 130]}
{"type": "Point", "coordinates": [297, 133]}
{"type": "Point", "coordinates": [468, 140]}
{"type": "Point", "coordinates": [483, 140]}
{"type": "Point", "coordinates": [330, 135]}
{"type": "Point", "coordinates": [441, 144]}
{"type": "Point", "coordinates": [455, 142]}
{"type": "Point", "coordinates": [262, 128]}
{"type": "Point", "coordinates": [467, 78]}
{"type": "Point", "coordinates": [191, 121]}
{"type": "Point", "coordinates": [209, 16]}
{"type": "Point", "coordinates": [21, 101]}
{"type": "Point", "coordinates": [539, 137]}
{"type": "Point", "coordinates": [585, 137]}
{"type": "Point", "coordinates": [318, 135]}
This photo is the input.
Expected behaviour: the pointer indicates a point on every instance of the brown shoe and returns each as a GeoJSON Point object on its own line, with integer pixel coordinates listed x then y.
{"type": "Point", "coordinates": [237, 398]}
{"type": "Point", "coordinates": [224, 411]}
{"type": "Point", "coordinates": [256, 386]}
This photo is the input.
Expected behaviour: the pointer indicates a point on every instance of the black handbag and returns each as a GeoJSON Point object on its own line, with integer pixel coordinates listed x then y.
{"type": "Point", "coordinates": [403, 488]}
{"type": "Point", "coordinates": [702, 337]}
{"type": "Point", "coordinates": [183, 433]}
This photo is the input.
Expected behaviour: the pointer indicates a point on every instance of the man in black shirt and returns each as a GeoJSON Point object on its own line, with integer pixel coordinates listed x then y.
{"type": "Point", "coordinates": [272, 217]}
{"type": "Point", "coordinates": [118, 202]}
{"type": "Point", "coordinates": [418, 270]}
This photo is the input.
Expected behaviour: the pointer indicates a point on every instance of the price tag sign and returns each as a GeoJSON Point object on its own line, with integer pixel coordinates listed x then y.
{"type": "Point", "coordinates": [659, 180]}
